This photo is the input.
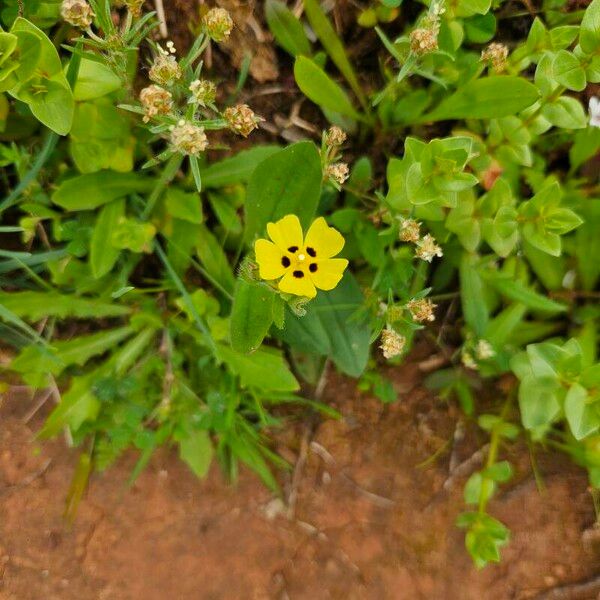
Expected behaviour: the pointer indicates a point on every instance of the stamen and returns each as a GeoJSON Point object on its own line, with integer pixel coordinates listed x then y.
{"type": "Point", "coordinates": [301, 256]}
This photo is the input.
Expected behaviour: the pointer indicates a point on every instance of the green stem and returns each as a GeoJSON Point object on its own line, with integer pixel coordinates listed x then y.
{"type": "Point", "coordinates": [492, 456]}
{"type": "Point", "coordinates": [186, 297]}
{"type": "Point", "coordinates": [167, 175]}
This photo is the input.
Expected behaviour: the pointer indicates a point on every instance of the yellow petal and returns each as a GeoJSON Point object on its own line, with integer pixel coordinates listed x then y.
{"type": "Point", "coordinates": [268, 257]}
{"type": "Point", "coordinates": [286, 233]}
{"type": "Point", "coordinates": [298, 286]}
{"type": "Point", "coordinates": [325, 240]}
{"type": "Point", "coordinates": [328, 273]}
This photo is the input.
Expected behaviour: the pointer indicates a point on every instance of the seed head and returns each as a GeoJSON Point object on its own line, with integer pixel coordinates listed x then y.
{"type": "Point", "coordinates": [421, 309]}
{"type": "Point", "coordinates": [203, 92]}
{"type": "Point", "coordinates": [495, 54]}
{"type": "Point", "coordinates": [392, 343]}
{"type": "Point", "coordinates": [187, 138]}
{"type": "Point", "coordinates": [165, 70]}
{"type": "Point", "coordinates": [77, 13]}
{"type": "Point", "coordinates": [427, 248]}
{"type": "Point", "coordinates": [335, 136]}
{"type": "Point", "coordinates": [241, 119]}
{"type": "Point", "coordinates": [155, 101]}
{"type": "Point", "coordinates": [217, 24]}
{"type": "Point", "coordinates": [423, 40]}
{"type": "Point", "coordinates": [410, 231]}
{"type": "Point", "coordinates": [337, 172]}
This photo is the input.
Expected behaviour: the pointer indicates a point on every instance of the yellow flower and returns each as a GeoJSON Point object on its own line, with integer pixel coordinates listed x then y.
{"type": "Point", "coordinates": [303, 263]}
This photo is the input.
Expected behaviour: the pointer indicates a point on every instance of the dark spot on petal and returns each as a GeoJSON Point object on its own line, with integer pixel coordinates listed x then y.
{"type": "Point", "coordinates": [293, 249]}
{"type": "Point", "coordinates": [298, 274]}
{"type": "Point", "coordinates": [311, 252]}
{"type": "Point", "coordinates": [313, 267]}
{"type": "Point", "coordinates": [285, 261]}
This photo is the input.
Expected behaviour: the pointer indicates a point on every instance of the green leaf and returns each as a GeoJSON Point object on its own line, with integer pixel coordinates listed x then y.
{"type": "Point", "coordinates": [471, 292]}
{"type": "Point", "coordinates": [236, 169]}
{"type": "Point", "coordinates": [289, 182]}
{"type": "Point", "coordinates": [37, 305]}
{"type": "Point", "coordinates": [567, 70]}
{"type": "Point", "coordinates": [77, 405]}
{"type": "Point", "coordinates": [330, 328]}
{"type": "Point", "coordinates": [89, 191]}
{"type": "Point", "coordinates": [214, 259]}
{"type": "Point", "coordinates": [467, 8]}
{"type": "Point", "coordinates": [103, 255]}
{"type": "Point", "coordinates": [333, 45]}
{"type": "Point", "coordinates": [196, 450]}
{"type": "Point", "coordinates": [565, 112]}
{"type": "Point", "coordinates": [64, 353]}
{"type": "Point", "coordinates": [47, 92]}
{"type": "Point", "coordinates": [286, 28]}
{"type": "Point", "coordinates": [321, 89]}
{"type": "Point", "coordinates": [539, 401]}
{"type": "Point", "coordinates": [589, 33]}
{"type": "Point", "coordinates": [95, 80]}
{"type": "Point", "coordinates": [251, 315]}
{"type": "Point", "coordinates": [264, 369]}
{"type": "Point", "coordinates": [583, 417]}
{"type": "Point", "coordinates": [486, 98]}
{"type": "Point", "coordinates": [183, 205]}
{"type": "Point", "coordinates": [517, 291]}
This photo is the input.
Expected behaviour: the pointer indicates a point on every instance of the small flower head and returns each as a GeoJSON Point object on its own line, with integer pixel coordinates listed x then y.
{"type": "Point", "coordinates": [484, 350]}
{"type": "Point", "coordinates": [187, 138]}
{"type": "Point", "coordinates": [77, 13]}
{"type": "Point", "coordinates": [410, 231]}
{"type": "Point", "coordinates": [427, 248]}
{"type": "Point", "coordinates": [242, 119]}
{"type": "Point", "coordinates": [337, 173]}
{"type": "Point", "coordinates": [392, 343]}
{"type": "Point", "coordinates": [594, 107]}
{"type": "Point", "coordinates": [134, 6]}
{"type": "Point", "coordinates": [335, 137]}
{"type": "Point", "coordinates": [496, 55]}
{"type": "Point", "coordinates": [165, 69]}
{"type": "Point", "coordinates": [421, 309]}
{"type": "Point", "coordinates": [217, 24]}
{"type": "Point", "coordinates": [203, 92]}
{"type": "Point", "coordinates": [302, 264]}
{"type": "Point", "coordinates": [423, 40]}
{"type": "Point", "coordinates": [155, 101]}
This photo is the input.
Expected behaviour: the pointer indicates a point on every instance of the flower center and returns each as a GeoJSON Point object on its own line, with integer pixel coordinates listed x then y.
{"type": "Point", "coordinates": [301, 257]}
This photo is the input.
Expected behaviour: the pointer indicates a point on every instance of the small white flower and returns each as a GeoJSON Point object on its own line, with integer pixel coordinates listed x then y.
{"type": "Point", "coordinates": [392, 343]}
{"type": "Point", "coordinates": [484, 350]}
{"type": "Point", "coordinates": [594, 111]}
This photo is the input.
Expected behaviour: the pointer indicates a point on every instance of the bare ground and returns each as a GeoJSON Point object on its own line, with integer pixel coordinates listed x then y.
{"type": "Point", "coordinates": [368, 521]}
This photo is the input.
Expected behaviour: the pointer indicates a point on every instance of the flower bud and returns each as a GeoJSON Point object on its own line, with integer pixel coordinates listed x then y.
{"type": "Point", "coordinates": [203, 92]}
{"type": "Point", "coordinates": [241, 119]}
{"type": "Point", "coordinates": [187, 138]}
{"type": "Point", "coordinates": [337, 172]}
{"type": "Point", "coordinates": [427, 248]}
{"type": "Point", "coordinates": [410, 231]}
{"type": "Point", "coordinates": [134, 6]}
{"type": "Point", "coordinates": [77, 13]}
{"type": "Point", "coordinates": [155, 101]}
{"type": "Point", "coordinates": [421, 309]}
{"type": "Point", "coordinates": [495, 54]}
{"type": "Point", "coordinates": [392, 343]}
{"type": "Point", "coordinates": [335, 136]}
{"type": "Point", "coordinates": [165, 70]}
{"type": "Point", "coordinates": [217, 24]}
{"type": "Point", "coordinates": [423, 40]}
